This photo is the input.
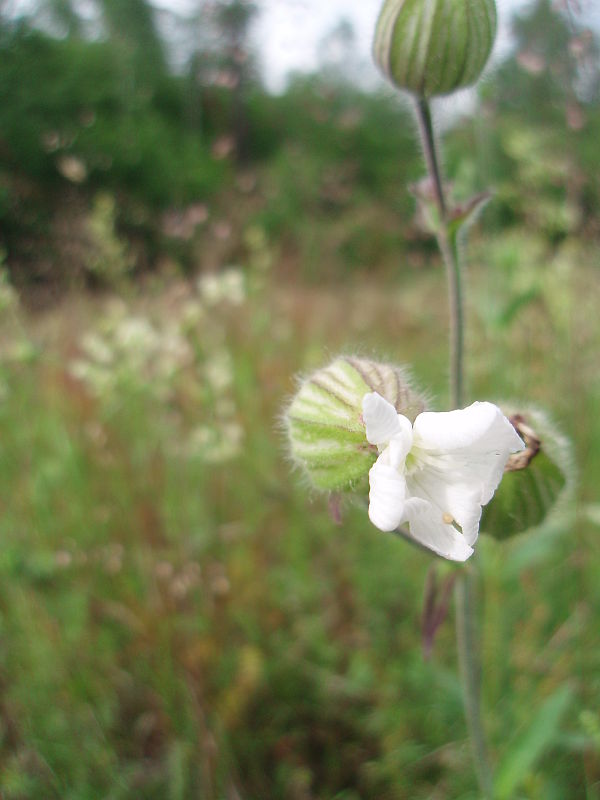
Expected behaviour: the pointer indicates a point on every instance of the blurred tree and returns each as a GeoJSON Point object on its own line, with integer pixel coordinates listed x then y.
{"type": "Point", "coordinates": [540, 117]}
{"type": "Point", "coordinates": [222, 59]}
{"type": "Point", "coordinates": [551, 68]}
{"type": "Point", "coordinates": [339, 59]}
{"type": "Point", "coordinates": [132, 23]}
{"type": "Point", "coordinates": [66, 16]}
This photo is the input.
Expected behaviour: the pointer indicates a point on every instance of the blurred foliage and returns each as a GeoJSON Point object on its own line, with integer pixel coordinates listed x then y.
{"type": "Point", "coordinates": [77, 98]}
{"type": "Point", "coordinates": [108, 259]}
{"type": "Point", "coordinates": [321, 166]}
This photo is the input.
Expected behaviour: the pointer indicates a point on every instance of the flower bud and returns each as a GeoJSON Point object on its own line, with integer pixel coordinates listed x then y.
{"type": "Point", "coordinates": [325, 425]}
{"type": "Point", "coordinates": [434, 47]}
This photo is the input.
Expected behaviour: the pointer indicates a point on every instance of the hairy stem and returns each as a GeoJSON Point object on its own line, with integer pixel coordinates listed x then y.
{"type": "Point", "coordinates": [466, 621]}
{"type": "Point", "coordinates": [450, 254]}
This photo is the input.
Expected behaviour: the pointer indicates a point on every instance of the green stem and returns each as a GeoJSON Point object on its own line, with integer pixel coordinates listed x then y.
{"type": "Point", "coordinates": [466, 640]}
{"type": "Point", "coordinates": [430, 153]}
{"type": "Point", "coordinates": [466, 621]}
{"type": "Point", "coordinates": [449, 250]}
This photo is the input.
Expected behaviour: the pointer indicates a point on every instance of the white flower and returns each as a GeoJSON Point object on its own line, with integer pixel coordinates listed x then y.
{"type": "Point", "coordinates": [229, 285]}
{"type": "Point", "coordinates": [437, 474]}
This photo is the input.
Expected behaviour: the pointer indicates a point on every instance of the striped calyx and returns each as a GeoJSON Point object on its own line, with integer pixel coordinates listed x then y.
{"type": "Point", "coordinates": [325, 425]}
{"type": "Point", "coordinates": [434, 47]}
{"type": "Point", "coordinates": [539, 481]}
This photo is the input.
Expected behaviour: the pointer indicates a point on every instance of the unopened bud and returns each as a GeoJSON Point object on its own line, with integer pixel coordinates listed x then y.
{"type": "Point", "coordinates": [325, 425]}
{"type": "Point", "coordinates": [434, 47]}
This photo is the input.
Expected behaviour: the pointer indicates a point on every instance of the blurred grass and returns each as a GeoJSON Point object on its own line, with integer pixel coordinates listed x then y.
{"type": "Point", "coordinates": [182, 619]}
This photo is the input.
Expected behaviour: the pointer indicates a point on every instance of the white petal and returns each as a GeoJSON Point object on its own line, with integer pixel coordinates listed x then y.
{"type": "Point", "coordinates": [427, 527]}
{"type": "Point", "coordinates": [461, 457]}
{"type": "Point", "coordinates": [380, 418]}
{"type": "Point", "coordinates": [453, 498]}
{"type": "Point", "coordinates": [387, 494]}
{"type": "Point", "coordinates": [481, 426]}
{"type": "Point", "coordinates": [400, 443]}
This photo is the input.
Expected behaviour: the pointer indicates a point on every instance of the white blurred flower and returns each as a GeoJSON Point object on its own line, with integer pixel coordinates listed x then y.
{"type": "Point", "coordinates": [234, 285]}
{"type": "Point", "coordinates": [227, 286]}
{"type": "Point", "coordinates": [218, 371]}
{"type": "Point", "coordinates": [72, 168]}
{"type": "Point", "coordinates": [96, 348]}
{"type": "Point", "coordinates": [128, 351]}
{"type": "Point", "coordinates": [437, 474]}
{"type": "Point", "coordinates": [174, 353]}
{"type": "Point", "coordinates": [98, 377]}
{"type": "Point", "coordinates": [218, 443]}
{"type": "Point", "coordinates": [192, 314]}
{"type": "Point", "coordinates": [137, 334]}
{"type": "Point", "coordinates": [209, 287]}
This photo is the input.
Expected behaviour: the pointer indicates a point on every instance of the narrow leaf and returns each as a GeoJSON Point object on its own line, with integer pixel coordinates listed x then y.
{"type": "Point", "coordinates": [530, 744]}
{"type": "Point", "coordinates": [515, 305]}
{"type": "Point", "coordinates": [463, 215]}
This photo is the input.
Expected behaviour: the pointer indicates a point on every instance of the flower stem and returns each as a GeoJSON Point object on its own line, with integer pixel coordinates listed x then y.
{"type": "Point", "coordinates": [449, 250]}
{"type": "Point", "coordinates": [466, 640]}
{"type": "Point", "coordinates": [466, 622]}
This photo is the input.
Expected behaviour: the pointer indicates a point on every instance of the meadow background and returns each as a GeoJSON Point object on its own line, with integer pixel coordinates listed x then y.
{"type": "Point", "coordinates": [179, 617]}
